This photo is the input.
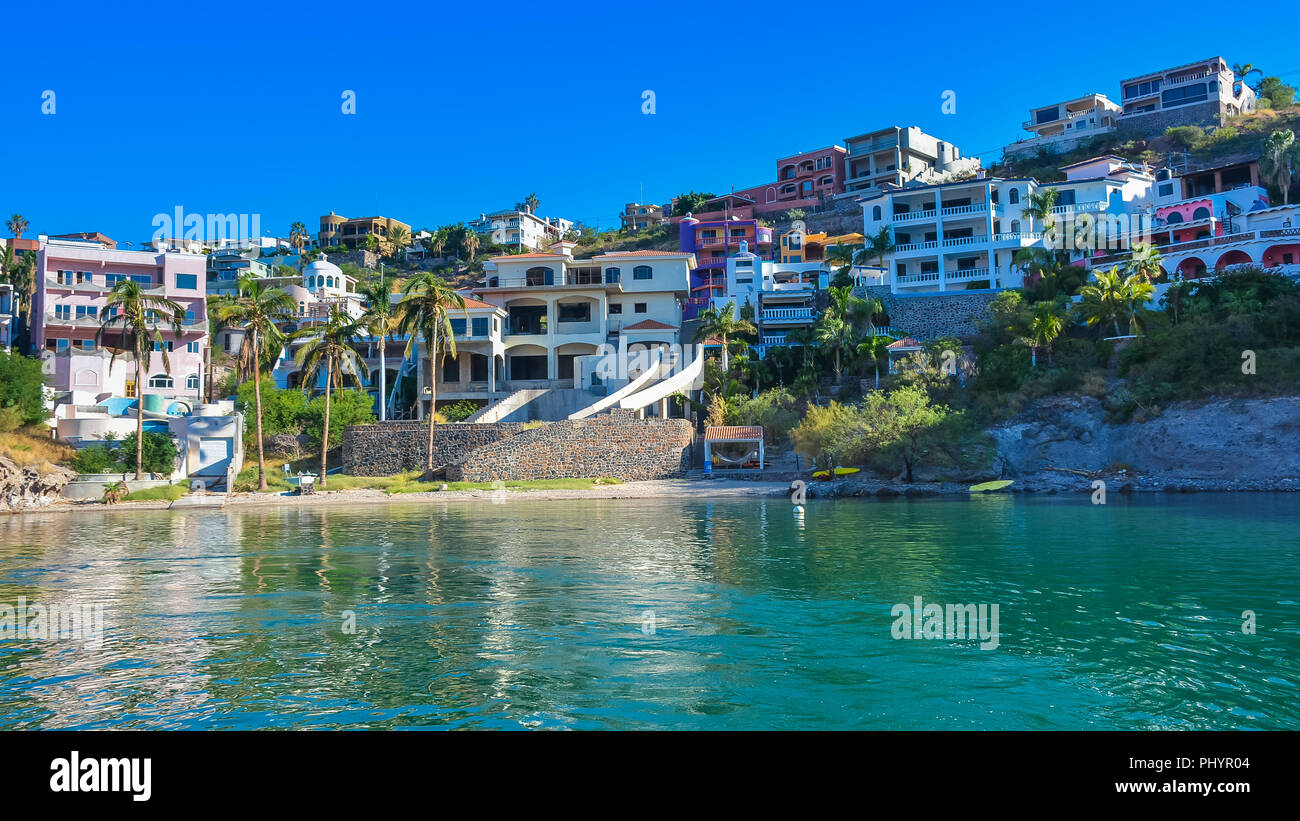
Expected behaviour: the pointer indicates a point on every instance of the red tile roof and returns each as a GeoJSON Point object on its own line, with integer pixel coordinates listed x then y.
{"type": "Point", "coordinates": [650, 325]}
{"type": "Point", "coordinates": [747, 433]}
{"type": "Point", "coordinates": [478, 303]}
{"type": "Point", "coordinates": [507, 257]}
{"type": "Point", "coordinates": [643, 254]}
{"type": "Point", "coordinates": [905, 342]}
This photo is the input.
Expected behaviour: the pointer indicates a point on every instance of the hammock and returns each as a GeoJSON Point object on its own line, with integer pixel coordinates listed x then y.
{"type": "Point", "coordinates": [748, 457]}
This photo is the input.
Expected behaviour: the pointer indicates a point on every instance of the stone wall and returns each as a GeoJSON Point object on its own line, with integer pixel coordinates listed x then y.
{"type": "Point", "coordinates": [615, 444]}
{"type": "Point", "coordinates": [392, 447]}
{"type": "Point", "coordinates": [1154, 123]}
{"type": "Point", "coordinates": [932, 316]}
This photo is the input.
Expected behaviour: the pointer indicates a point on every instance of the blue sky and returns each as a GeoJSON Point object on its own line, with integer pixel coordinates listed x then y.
{"type": "Point", "coordinates": [236, 108]}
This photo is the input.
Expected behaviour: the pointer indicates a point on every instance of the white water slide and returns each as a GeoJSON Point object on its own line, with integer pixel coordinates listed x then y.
{"type": "Point", "coordinates": [657, 383]}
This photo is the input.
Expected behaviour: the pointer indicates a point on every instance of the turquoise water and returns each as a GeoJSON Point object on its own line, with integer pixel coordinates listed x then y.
{"type": "Point", "coordinates": [533, 614]}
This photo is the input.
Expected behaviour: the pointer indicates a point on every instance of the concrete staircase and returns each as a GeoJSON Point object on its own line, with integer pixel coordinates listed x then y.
{"type": "Point", "coordinates": [535, 404]}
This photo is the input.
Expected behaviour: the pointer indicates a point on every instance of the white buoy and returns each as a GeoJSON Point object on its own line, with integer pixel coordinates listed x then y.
{"type": "Point", "coordinates": [798, 510]}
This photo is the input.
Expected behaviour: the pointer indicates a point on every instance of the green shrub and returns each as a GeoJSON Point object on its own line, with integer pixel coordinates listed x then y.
{"type": "Point", "coordinates": [458, 411]}
{"type": "Point", "coordinates": [111, 457]}
{"type": "Point", "coordinates": [20, 387]}
{"type": "Point", "coordinates": [776, 410]}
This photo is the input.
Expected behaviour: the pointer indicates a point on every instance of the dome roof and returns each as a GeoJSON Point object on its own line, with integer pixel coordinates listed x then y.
{"type": "Point", "coordinates": [322, 266]}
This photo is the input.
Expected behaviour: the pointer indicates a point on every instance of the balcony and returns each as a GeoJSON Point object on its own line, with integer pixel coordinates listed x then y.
{"type": "Point", "coordinates": [967, 274]}
{"type": "Point", "coordinates": [787, 315]}
{"type": "Point", "coordinates": [922, 278]}
{"type": "Point", "coordinates": [962, 210]}
{"type": "Point", "coordinates": [915, 246]}
{"type": "Point", "coordinates": [913, 216]}
{"type": "Point", "coordinates": [1079, 207]}
{"type": "Point", "coordinates": [1017, 236]}
{"type": "Point", "coordinates": [960, 241]}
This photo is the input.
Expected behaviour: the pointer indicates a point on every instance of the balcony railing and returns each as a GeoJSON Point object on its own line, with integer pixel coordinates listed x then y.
{"type": "Point", "coordinates": [1079, 207]}
{"type": "Point", "coordinates": [786, 314]}
{"type": "Point", "coordinates": [967, 274]}
{"type": "Point", "coordinates": [918, 279]}
{"type": "Point", "coordinates": [960, 210]}
{"type": "Point", "coordinates": [1017, 236]}
{"type": "Point", "coordinates": [958, 241]}
{"type": "Point", "coordinates": [916, 246]}
{"type": "Point", "coordinates": [912, 216]}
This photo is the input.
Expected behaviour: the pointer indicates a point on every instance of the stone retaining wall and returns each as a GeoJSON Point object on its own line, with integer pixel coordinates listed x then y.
{"type": "Point", "coordinates": [932, 316]}
{"type": "Point", "coordinates": [392, 447]}
{"type": "Point", "coordinates": [616, 444]}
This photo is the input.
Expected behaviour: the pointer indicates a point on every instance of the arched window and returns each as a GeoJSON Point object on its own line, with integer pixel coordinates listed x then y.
{"type": "Point", "coordinates": [160, 380]}
{"type": "Point", "coordinates": [642, 272]}
{"type": "Point", "coordinates": [875, 213]}
{"type": "Point", "coordinates": [787, 189]}
{"type": "Point", "coordinates": [1201, 213]}
{"type": "Point", "coordinates": [826, 180]}
{"type": "Point", "coordinates": [1013, 196]}
{"type": "Point", "coordinates": [192, 382]}
{"type": "Point", "coordinates": [1173, 217]}
{"type": "Point", "coordinates": [539, 276]}
{"type": "Point", "coordinates": [1015, 226]}
{"type": "Point", "coordinates": [612, 275]}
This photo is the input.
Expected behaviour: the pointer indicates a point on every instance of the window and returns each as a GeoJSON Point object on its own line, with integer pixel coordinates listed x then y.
{"type": "Point", "coordinates": [478, 367]}
{"type": "Point", "coordinates": [1015, 226]}
{"type": "Point", "coordinates": [189, 317]}
{"type": "Point", "coordinates": [63, 312]}
{"type": "Point", "coordinates": [1185, 95]}
{"type": "Point", "coordinates": [88, 344]}
{"type": "Point", "coordinates": [642, 272]}
{"type": "Point", "coordinates": [130, 389]}
{"type": "Point", "coordinates": [158, 346]}
{"type": "Point", "coordinates": [479, 326]}
{"type": "Point", "coordinates": [160, 380]}
{"type": "Point", "coordinates": [1014, 196]}
{"type": "Point", "coordinates": [450, 369]}
{"type": "Point", "coordinates": [539, 276]}
{"type": "Point", "coordinates": [192, 382]}
{"type": "Point", "coordinates": [875, 213]}
{"type": "Point", "coordinates": [458, 327]}
{"type": "Point", "coordinates": [639, 307]}
{"type": "Point", "coordinates": [615, 308]}
{"type": "Point", "coordinates": [1166, 189]}
{"type": "Point", "coordinates": [573, 312]}
{"type": "Point", "coordinates": [191, 347]}
{"type": "Point", "coordinates": [189, 282]}
{"type": "Point", "coordinates": [612, 275]}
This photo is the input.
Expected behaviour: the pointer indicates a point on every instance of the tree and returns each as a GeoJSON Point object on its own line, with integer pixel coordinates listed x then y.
{"type": "Point", "coordinates": [424, 315]}
{"type": "Point", "coordinates": [834, 332]}
{"type": "Point", "coordinates": [1045, 326]}
{"type": "Point", "coordinates": [470, 243]}
{"type": "Point", "coordinates": [1175, 297]}
{"type": "Point", "coordinates": [1241, 71]}
{"type": "Point", "coordinates": [17, 225]}
{"type": "Point", "coordinates": [7, 262]}
{"type": "Point", "coordinates": [689, 203]}
{"type": "Point", "coordinates": [840, 258]}
{"type": "Point", "coordinates": [1114, 298]}
{"type": "Point", "coordinates": [299, 239]}
{"type": "Point", "coordinates": [328, 350]}
{"type": "Point", "coordinates": [1144, 260]}
{"type": "Point", "coordinates": [1278, 158]}
{"type": "Point", "coordinates": [723, 324]}
{"type": "Point", "coordinates": [902, 423]}
{"type": "Point", "coordinates": [879, 245]}
{"type": "Point", "coordinates": [23, 278]}
{"type": "Point", "coordinates": [398, 239]}
{"type": "Point", "coordinates": [1038, 206]}
{"type": "Point", "coordinates": [530, 203]}
{"type": "Point", "coordinates": [874, 349]}
{"type": "Point", "coordinates": [258, 311]}
{"type": "Point", "coordinates": [20, 389]}
{"type": "Point", "coordinates": [380, 320]}
{"type": "Point", "coordinates": [129, 313]}
{"type": "Point", "coordinates": [1277, 93]}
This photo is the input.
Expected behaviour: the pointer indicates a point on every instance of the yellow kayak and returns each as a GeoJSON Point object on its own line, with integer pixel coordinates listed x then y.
{"type": "Point", "coordinates": [826, 474]}
{"type": "Point", "coordinates": [996, 484]}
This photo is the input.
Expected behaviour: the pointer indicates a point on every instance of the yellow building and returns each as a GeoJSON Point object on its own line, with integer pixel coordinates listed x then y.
{"type": "Point", "coordinates": [797, 245]}
{"type": "Point", "coordinates": [338, 230]}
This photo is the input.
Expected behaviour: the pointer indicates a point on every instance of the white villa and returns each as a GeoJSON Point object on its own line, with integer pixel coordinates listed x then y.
{"type": "Point", "coordinates": [1061, 126]}
{"type": "Point", "coordinates": [964, 235]}
{"type": "Point", "coordinates": [522, 229]}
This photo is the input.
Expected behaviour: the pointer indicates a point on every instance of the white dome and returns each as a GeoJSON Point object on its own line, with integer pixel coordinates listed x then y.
{"type": "Point", "coordinates": [322, 266]}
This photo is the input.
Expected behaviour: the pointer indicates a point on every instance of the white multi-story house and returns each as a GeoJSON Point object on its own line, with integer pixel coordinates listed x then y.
{"type": "Point", "coordinates": [1062, 126]}
{"type": "Point", "coordinates": [965, 235]}
{"type": "Point", "coordinates": [1202, 92]}
{"type": "Point", "coordinates": [521, 229]}
{"type": "Point", "coordinates": [559, 309]}
{"type": "Point", "coordinates": [8, 309]}
{"type": "Point", "coordinates": [893, 156]}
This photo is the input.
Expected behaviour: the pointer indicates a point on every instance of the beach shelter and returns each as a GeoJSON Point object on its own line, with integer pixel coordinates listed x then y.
{"type": "Point", "coordinates": [750, 435]}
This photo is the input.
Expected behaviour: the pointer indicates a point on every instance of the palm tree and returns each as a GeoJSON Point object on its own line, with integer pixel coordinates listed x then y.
{"type": "Point", "coordinates": [398, 239]}
{"type": "Point", "coordinates": [17, 225]}
{"type": "Point", "coordinates": [1144, 260]}
{"type": "Point", "coordinates": [836, 332]}
{"type": "Point", "coordinates": [129, 312]}
{"type": "Point", "coordinates": [380, 320]}
{"type": "Point", "coordinates": [258, 311]}
{"type": "Point", "coordinates": [23, 278]}
{"type": "Point", "coordinates": [723, 324]}
{"type": "Point", "coordinates": [299, 238]}
{"type": "Point", "coordinates": [470, 243]}
{"type": "Point", "coordinates": [1038, 206]}
{"type": "Point", "coordinates": [7, 262]}
{"type": "Point", "coordinates": [841, 259]}
{"type": "Point", "coordinates": [875, 349]}
{"type": "Point", "coordinates": [423, 314]}
{"type": "Point", "coordinates": [879, 245]}
{"type": "Point", "coordinates": [1112, 298]}
{"type": "Point", "coordinates": [1175, 296]}
{"type": "Point", "coordinates": [1045, 326]}
{"type": "Point", "coordinates": [1243, 70]}
{"type": "Point", "coordinates": [1278, 158]}
{"type": "Point", "coordinates": [530, 203]}
{"type": "Point", "coordinates": [329, 351]}
{"type": "Point", "coordinates": [859, 313]}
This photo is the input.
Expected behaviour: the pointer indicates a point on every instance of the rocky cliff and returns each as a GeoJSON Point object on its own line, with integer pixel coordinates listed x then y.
{"type": "Point", "coordinates": [27, 488]}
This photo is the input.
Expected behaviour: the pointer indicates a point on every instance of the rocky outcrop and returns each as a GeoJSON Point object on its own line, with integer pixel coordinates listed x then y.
{"type": "Point", "coordinates": [1224, 444]}
{"type": "Point", "coordinates": [29, 488]}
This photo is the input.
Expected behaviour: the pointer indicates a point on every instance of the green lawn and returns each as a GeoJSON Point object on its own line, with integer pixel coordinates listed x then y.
{"type": "Point", "coordinates": [405, 482]}
{"type": "Point", "coordinates": [168, 492]}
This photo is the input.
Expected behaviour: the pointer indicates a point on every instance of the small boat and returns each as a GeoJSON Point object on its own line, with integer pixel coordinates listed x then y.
{"type": "Point", "coordinates": [826, 474]}
{"type": "Point", "coordinates": [996, 484]}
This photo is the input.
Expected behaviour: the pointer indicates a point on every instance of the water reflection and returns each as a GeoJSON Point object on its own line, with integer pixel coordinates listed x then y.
{"type": "Point", "coordinates": [528, 614]}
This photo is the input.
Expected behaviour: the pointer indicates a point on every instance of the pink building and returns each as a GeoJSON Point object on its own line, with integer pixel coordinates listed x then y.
{"type": "Point", "coordinates": [73, 281]}
{"type": "Point", "coordinates": [802, 180]}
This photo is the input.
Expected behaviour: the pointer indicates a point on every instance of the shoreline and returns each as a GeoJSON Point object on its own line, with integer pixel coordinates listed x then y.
{"type": "Point", "coordinates": [1056, 485]}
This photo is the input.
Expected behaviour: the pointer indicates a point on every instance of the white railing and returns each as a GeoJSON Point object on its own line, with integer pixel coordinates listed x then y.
{"type": "Point", "coordinates": [958, 210]}
{"type": "Point", "coordinates": [952, 243]}
{"type": "Point", "coordinates": [967, 274]}
{"type": "Point", "coordinates": [786, 313]}
{"type": "Point", "coordinates": [773, 340]}
{"type": "Point", "coordinates": [1017, 236]}
{"type": "Point", "coordinates": [1078, 207]}
{"type": "Point", "coordinates": [914, 215]}
{"type": "Point", "coordinates": [916, 246]}
{"type": "Point", "coordinates": [917, 279]}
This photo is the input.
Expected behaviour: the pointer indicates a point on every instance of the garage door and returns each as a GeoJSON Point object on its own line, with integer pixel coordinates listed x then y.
{"type": "Point", "coordinates": [214, 456]}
